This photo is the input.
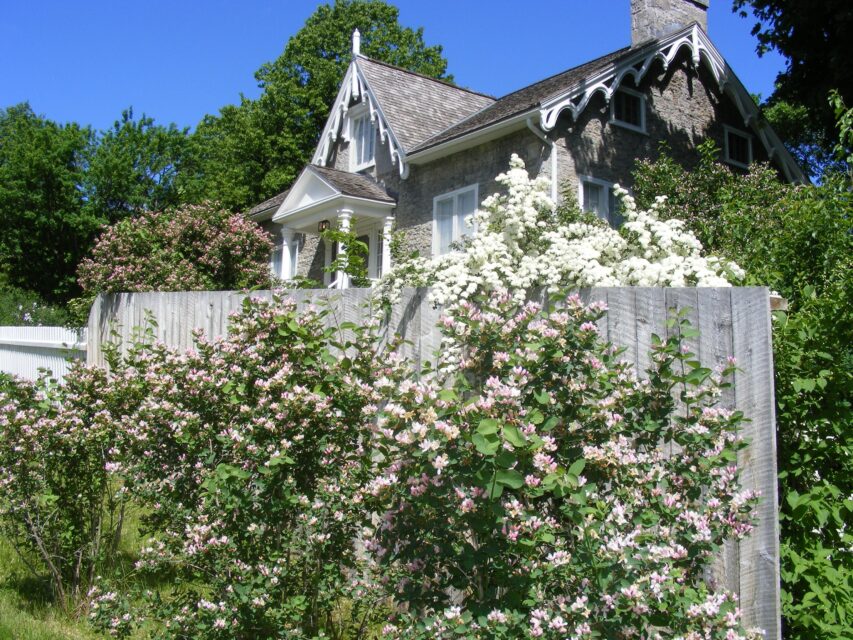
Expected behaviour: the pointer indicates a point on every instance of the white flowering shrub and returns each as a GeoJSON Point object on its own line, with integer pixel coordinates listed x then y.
{"type": "Point", "coordinates": [521, 242]}
{"type": "Point", "coordinates": [541, 490]}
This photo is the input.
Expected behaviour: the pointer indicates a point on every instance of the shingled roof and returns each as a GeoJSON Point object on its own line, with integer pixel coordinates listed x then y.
{"type": "Point", "coordinates": [271, 203]}
{"type": "Point", "coordinates": [356, 185]}
{"type": "Point", "coordinates": [522, 100]}
{"type": "Point", "coordinates": [418, 107]}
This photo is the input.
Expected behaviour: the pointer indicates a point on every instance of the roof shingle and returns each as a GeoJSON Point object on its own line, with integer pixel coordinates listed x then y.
{"type": "Point", "coordinates": [522, 100]}
{"type": "Point", "coordinates": [418, 107]}
{"type": "Point", "coordinates": [275, 201]}
{"type": "Point", "coordinates": [352, 184]}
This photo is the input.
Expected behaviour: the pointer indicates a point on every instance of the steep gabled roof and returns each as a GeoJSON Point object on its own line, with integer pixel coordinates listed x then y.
{"type": "Point", "coordinates": [418, 107]}
{"type": "Point", "coordinates": [521, 101]}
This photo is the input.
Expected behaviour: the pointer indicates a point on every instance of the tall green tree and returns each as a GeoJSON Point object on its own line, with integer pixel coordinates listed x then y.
{"type": "Point", "coordinates": [814, 38]}
{"type": "Point", "coordinates": [46, 229]}
{"type": "Point", "coordinates": [134, 168]}
{"type": "Point", "coordinates": [252, 151]}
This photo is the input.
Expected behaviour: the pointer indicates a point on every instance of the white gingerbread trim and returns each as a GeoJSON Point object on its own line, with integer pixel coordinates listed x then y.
{"type": "Point", "coordinates": [355, 86]}
{"type": "Point", "coordinates": [606, 82]}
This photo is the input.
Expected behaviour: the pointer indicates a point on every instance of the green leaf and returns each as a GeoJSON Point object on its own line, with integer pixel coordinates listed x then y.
{"type": "Point", "coordinates": [514, 436]}
{"type": "Point", "coordinates": [509, 478]}
{"type": "Point", "coordinates": [486, 445]}
{"type": "Point", "coordinates": [487, 426]}
{"type": "Point", "coordinates": [543, 397]}
{"type": "Point", "coordinates": [577, 467]}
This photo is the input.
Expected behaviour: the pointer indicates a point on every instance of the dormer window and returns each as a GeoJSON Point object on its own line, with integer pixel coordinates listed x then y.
{"type": "Point", "coordinates": [737, 147]}
{"type": "Point", "coordinates": [363, 140]}
{"type": "Point", "coordinates": [628, 109]}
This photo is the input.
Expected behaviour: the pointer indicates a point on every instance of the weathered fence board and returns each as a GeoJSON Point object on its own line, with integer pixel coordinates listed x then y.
{"type": "Point", "coordinates": [24, 351]}
{"type": "Point", "coordinates": [732, 323]}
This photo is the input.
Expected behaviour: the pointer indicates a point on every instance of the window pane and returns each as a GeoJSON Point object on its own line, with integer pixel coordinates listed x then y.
{"type": "Point", "coordinates": [628, 108]}
{"type": "Point", "coordinates": [275, 261]}
{"type": "Point", "coordinates": [444, 224]}
{"type": "Point", "coordinates": [466, 204]}
{"type": "Point", "coordinates": [738, 147]}
{"type": "Point", "coordinates": [365, 139]}
{"type": "Point", "coordinates": [380, 249]}
{"type": "Point", "coordinates": [592, 198]}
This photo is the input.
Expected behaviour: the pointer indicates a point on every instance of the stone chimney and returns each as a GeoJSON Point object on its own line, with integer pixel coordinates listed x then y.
{"type": "Point", "coordinates": [657, 18]}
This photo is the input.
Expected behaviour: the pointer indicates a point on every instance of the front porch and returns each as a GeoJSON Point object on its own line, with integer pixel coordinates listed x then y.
{"type": "Point", "coordinates": [323, 199]}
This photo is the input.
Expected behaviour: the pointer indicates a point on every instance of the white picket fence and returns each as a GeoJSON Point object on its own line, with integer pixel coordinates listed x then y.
{"type": "Point", "coordinates": [24, 351]}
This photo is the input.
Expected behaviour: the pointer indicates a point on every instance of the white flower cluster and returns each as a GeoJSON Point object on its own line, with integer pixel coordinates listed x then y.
{"type": "Point", "coordinates": [520, 244]}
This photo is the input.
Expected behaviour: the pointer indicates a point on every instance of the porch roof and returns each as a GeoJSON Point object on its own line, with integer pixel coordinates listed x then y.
{"type": "Point", "coordinates": [323, 193]}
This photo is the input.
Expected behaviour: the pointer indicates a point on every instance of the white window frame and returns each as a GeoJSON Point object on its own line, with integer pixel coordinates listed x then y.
{"type": "Point", "coordinates": [357, 113]}
{"type": "Point", "coordinates": [277, 259]}
{"type": "Point", "coordinates": [627, 125]}
{"type": "Point", "coordinates": [606, 214]}
{"type": "Point", "coordinates": [295, 241]}
{"type": "Point", "coordinates": [457, 231]}
{"type": "Point", "coordinates": [727, 130]}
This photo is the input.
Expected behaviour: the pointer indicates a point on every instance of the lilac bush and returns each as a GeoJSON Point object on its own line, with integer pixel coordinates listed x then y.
{"type": "Point", "coordinates": [190, 248]}
{"type": "Point", "coordinates": [535, 487]}
{"type": "Point", "coordinates": [61, 504]}
{"type": "Point", "coordinates": [246, 454]}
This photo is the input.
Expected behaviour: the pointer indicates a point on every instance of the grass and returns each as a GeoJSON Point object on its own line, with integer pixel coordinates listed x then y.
{"type": "Point", "coordinates": [25, 611]}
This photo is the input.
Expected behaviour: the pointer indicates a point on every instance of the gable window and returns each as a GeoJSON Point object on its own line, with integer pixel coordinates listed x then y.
{"type": "Point", "coordinates": [628, 109]}
{"type": "Point", "coordinates": [737, 147]}
{"type": "Point", "coordinates": [597, 196]}
{"type": "Point", "coordinates": [363, 137]}
{"type": "Point", "coordinates": [449, 213]}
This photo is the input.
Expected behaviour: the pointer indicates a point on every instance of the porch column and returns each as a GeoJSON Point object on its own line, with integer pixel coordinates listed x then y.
{"type": "Point", "coordinates": [344, 220]}
{"type": "Point", "coordinates": [386, 244]}
{"type": "Point", "coordinates": [286, 255]}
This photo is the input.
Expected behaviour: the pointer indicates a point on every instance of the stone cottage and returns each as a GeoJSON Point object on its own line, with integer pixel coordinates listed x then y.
{"type": "Point", "coordinates": [404, 151]}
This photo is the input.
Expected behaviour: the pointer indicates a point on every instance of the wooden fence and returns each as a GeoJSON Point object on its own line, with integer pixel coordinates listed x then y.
{"type": "Point", "coordinates": [26, 350]}
{"type": "Point", "coordinates": [731, 321]}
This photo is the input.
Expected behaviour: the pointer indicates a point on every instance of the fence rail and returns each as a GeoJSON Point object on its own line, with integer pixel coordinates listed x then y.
{"type": "Point", "coordinates": [24, 351]}
{"type": "Point", "coordinates": [731, 321]}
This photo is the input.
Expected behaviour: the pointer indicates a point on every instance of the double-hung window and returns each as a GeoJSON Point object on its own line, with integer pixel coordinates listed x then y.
{"type": "Point", "coordinates": [363, 138]}
{"type": "Point", "coordinates": [449, 218]}
{"type": "Point", "coordinates": [597, 196]}
{"type": "Point", "coordinates": [628, 109]}
{"type": "Point", "coordinates": [737, 147]}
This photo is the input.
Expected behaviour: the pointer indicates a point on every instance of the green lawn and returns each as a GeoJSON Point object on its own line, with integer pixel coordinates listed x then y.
{"type": "Point", "coordinates": [25, 609]}
{"type": "Point", "coordinates": [24, 614]}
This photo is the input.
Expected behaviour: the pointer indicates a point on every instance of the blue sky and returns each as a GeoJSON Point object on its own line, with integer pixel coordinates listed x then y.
{"type": "Point", "coordinates": [178, 60]}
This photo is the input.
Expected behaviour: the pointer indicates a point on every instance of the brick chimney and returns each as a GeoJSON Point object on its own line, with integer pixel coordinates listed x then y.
{"type": "Point", "coordinates": [657, 18]}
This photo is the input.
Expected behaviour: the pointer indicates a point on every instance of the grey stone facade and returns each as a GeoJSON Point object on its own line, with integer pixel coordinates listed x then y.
{"type": "Point", "coordinates": [656, 18]}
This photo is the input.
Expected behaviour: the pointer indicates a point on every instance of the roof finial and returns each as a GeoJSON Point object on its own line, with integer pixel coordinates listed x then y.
{"type": "Point", "coordinates": [356, 42]}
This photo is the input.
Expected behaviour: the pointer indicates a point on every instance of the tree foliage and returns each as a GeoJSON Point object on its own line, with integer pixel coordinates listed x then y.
{"type": "Point", "coordinates": [46, 228]}
{"type": "Point", "coordinates": [798, 241]}
{"type": "Point", "coordinates": [814, 38]}
{"type": "Point", "coordinates": [133, 167]}
{"type": "Point", "coordinates": [253, 150]}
